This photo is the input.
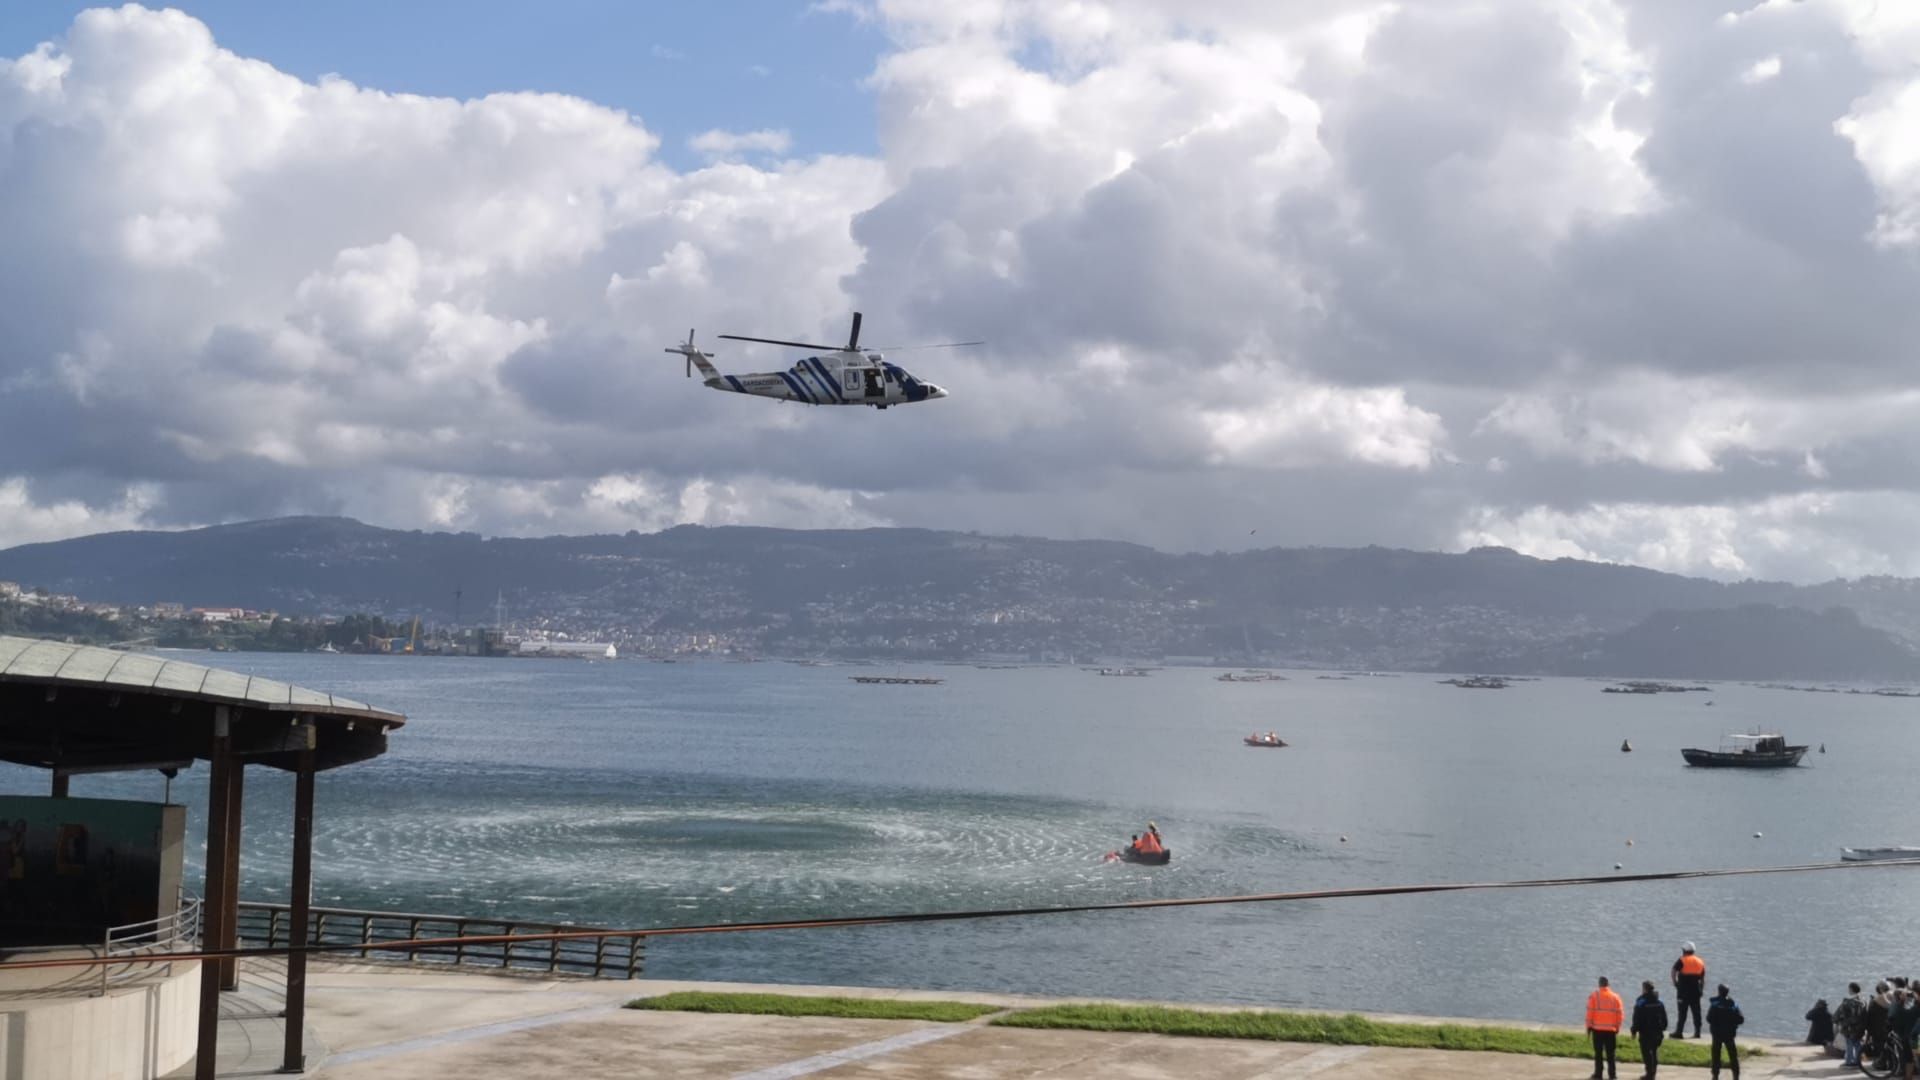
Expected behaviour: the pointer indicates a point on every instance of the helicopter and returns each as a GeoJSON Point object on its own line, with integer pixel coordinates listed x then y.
{"type": "Point", "coordinates": [844, 376]}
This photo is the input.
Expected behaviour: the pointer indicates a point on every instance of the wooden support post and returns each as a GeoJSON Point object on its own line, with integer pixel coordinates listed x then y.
{"type": "Point", "coordinates": [219, 790]}
{"type": "Point", "coordinates": [59, 784]}
{"type": "Point", "coordinates": [296, 1057]}
{"type": "Point", "coordinates": [230, 917]}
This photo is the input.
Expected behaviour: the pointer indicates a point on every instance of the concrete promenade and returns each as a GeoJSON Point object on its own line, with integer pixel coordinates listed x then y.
{"type": "Point", "coordinates": [388, 1022]}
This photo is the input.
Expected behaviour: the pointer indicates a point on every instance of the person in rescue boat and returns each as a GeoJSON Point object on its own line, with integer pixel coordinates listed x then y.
{"type": "Point", "coordinates": [1149, 841]}
{"type": "Point", "coordinates": [1689, 986]}
{"type": "Point", "coordinates": [1605, 1013]}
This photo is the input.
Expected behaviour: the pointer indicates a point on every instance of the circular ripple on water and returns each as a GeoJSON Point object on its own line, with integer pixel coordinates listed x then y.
{"type": "Point", "coordinates": [606, 860]}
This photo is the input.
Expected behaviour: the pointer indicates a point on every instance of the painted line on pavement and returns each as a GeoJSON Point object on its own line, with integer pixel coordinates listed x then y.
{"type": "Point", "coordinates": [823, 1062]}
{"type": "Point", "coordinates": [1317, 1062]}
{"type": "Point", "coordinates": [464, 1035]}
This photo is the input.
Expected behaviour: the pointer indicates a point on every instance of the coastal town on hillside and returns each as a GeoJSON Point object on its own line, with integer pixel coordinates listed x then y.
{"type": "Point", "coordinates": [854, 626]}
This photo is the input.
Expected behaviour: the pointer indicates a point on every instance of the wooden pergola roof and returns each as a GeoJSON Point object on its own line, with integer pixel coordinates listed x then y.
{"type": "Point", "coordinates": [83, 708]}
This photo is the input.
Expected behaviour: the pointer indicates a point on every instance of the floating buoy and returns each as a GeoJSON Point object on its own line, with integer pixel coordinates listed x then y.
{"type": "Point", "coordinates": [1616, 866]}
{"type": "Point", "coordinates": [1343, 839]}
{"type": "Point", "coordinates": [1629, 843]}
{"type": "Point", "coordinates": [1756, 836]}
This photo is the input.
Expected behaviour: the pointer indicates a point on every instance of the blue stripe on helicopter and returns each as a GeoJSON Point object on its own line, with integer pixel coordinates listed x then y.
{"type": "Point", "coordinates": [734, 382]}
{"type": "Point", "coordinates": [799, 374]}
{"type": "Point", "coordinates": [812, 378]}
{"type": "Point", "coordinates": [807, 378]}
{"type": "Point", "coordinates": [826, 378]}
{"type": "Point", "coordinates": [799, 392]}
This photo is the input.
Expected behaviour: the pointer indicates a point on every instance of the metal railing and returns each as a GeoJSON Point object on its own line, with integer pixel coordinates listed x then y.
{"type": "Point", "coordinates": [608, 957]}
{"type": "Point", "coordinates": [178, 931]}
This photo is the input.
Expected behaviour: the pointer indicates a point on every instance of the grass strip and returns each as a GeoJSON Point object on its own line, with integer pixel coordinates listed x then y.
{"type": "Point", "coordinates": [1348, 1030]}
{"type": "Point", "coordinates": [945, 1012]}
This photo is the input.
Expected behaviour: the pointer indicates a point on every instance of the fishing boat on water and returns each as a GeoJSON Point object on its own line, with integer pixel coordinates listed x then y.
{"type": "Point", "coordinates": [1753, 750]}
{"type": "Point", "coordinates": [1878, 854]}
{"type": "Point", "coordinates": [1269, 740]}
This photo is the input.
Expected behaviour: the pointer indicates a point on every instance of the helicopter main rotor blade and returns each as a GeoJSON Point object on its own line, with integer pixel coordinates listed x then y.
{"type": "Point", "coordinates": [911, 348]}
{"type": "Point", "coordinates": [788, 344]}
{"type": "Point", "coordinates": [853, 339]}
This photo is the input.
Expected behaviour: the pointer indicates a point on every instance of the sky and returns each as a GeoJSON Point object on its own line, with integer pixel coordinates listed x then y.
{"type": "Point", "coordinates": [1630, 280]}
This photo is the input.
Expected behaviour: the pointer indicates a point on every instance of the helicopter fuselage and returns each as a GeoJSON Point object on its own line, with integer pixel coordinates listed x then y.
{"type": "Point", "coordinates": [820, 380]}
{"type": "Point", "coordinates": [833, 376]}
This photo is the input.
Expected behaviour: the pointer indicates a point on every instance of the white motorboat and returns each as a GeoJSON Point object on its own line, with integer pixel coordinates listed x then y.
{"type": "Point", "coordinates": [1878, 854]}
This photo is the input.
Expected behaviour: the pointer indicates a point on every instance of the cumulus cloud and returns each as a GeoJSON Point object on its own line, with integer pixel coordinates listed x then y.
{"type": "Point", "coordinates": [717, 145]}
{"type": "Point", "coordinates": [1620, 278]}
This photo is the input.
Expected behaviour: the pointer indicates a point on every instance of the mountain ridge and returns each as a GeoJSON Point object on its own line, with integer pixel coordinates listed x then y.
{"type": "Point", "coordinates": [937, 593]}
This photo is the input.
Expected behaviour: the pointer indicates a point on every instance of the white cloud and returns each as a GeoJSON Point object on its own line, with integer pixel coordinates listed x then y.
{"type": "Point", "coordinates": [1646, 270]}
{"type": "Point", "coordinates": [25, 520]}
{"type": "Point", "coordinates": [1296, 425]}
{"type": "Point", "coordinates": [1793, 537]}
{"type": "Point", "coordinates": [1761, 71]}
{"type": "Point", "coordinates": [720, 145]}
{"type": "Point", "coordinates": [1691, 424]}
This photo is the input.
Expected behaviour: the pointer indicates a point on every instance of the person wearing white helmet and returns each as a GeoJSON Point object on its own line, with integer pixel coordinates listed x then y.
{"type": "Point", "coordinates": [1689, 986]}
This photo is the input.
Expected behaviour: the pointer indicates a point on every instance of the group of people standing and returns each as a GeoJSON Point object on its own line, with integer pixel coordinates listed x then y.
{"type": "Point", "coordinates": [1890, 1017]}
{"type": "Point", "coordinates": [1606, 1014]}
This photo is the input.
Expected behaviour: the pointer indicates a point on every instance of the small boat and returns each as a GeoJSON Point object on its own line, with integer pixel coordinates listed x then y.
{"type": "Point", "coordinates": [1756, 750]}
{"type": "Point", "coordinates": [1261, 740]}
{"type": "Point", "coordinates": [1123, 672]}
{"type": "Point", "coordinates": [1626, 747]}
{"type": "Point", "coordinates": [1146, 858]}
{"type": "Point", "coordinates": [1878, 854]}
{"type": "Point", "coordinates": [1477, 682]}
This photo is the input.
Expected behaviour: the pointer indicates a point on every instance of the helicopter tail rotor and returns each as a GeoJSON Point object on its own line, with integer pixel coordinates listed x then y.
{"type": "Point", "coordinates": [694, 356]}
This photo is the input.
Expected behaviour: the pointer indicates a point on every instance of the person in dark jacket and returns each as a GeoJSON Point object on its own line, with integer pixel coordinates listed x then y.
{"type": "Point", "coordinates": [1850, 1020]}
{"type": "Point", "coordinates": [1820, 1024]}
{"type": "Point", "coordinates": [1689, 986]}
{"type": "Point", "coordinates": [1649, 1026]}
{"type": "Point", "coordinates": [1723, 1019]}
{"type": "Point", "coordinates": [1901, 1019]}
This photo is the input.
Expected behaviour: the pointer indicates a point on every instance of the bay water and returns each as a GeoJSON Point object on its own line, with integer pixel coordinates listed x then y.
{"type": "Point", "coordinates": [633, 794]}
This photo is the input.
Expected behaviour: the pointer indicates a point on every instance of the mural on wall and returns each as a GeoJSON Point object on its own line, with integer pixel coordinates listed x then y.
{"type": "Point", "coordinates": [74, 867]}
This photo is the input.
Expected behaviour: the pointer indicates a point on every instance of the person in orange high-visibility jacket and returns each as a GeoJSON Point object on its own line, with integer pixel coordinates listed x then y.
{"type": "Point", "coordinates": [1150, 841]}
{"type": "Point", "coordinates": [1689, 986]}
{"type": "Point", "coordinates": [1605, 1014]}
